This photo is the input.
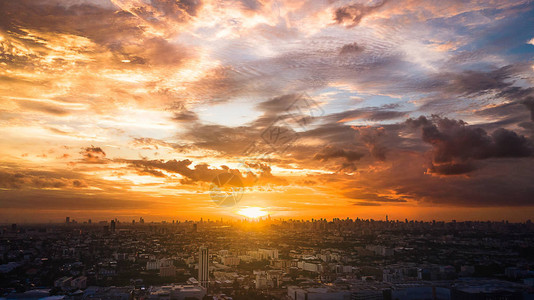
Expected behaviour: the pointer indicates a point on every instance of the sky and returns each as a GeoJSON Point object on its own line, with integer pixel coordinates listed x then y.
{"type": "Point", "coordinates": [319, 109]}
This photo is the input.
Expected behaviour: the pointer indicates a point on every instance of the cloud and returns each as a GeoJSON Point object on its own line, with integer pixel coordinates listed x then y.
{"type": "Point", "coordinates": [366, 113]}
{"type": "Point", "coordinates": [372, 136]}
{"type": "Point", "coordinates": [366, 204]}
{"type": "Point", "coordinates": [360, 194]}
{"type": "Point", "coordinates": [452, 168]}
{"type": "Point", "coordinates": [472, 82]}
{"type": "Point", "coordinates": [139, 76]}
{"type": "Point", "coordinates": [156, 144]}
{"type": "Point", "coordinates": [278, 105]}
{"type": "Point", "coordinates": [455, 144]}
{"type": "Point", "coordinates": [37, 180]}
{"type": "Point", "coordinates": [496, 182]}
{"type": "Point", "coordinates": [331, 152]}
{"type": "Point", "coordinates": [351, 49]}
{"type": "Point", "coordinates": [351, 15]}
{"type": "Point", "coordinates": [93, 155]}
{"type": "Point", "coordinates": [182, 113]}
{"type": "Point", "coordinates": [529, 103]}
{"type": "Point", "coordinates": [47, 28]}
{"type": "Point", "coordinates": [161, 13]}
{"type": "Point", "coordinates": [349, 157]}
{"type": "Point", "coordinates": [42, 107]}
{"type": "Point", "coordinates": [202, 172]}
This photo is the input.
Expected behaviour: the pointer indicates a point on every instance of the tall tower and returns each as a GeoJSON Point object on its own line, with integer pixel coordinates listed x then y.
{"type": "Point", "coordinates": [203, 267]}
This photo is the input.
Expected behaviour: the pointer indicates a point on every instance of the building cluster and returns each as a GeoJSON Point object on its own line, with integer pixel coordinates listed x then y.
{"type": "Point", "coordinates": [267, 259]}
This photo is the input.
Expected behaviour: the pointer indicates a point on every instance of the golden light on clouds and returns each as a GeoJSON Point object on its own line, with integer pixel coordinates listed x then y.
{"type": "Point", "coordinates": [320, 108]}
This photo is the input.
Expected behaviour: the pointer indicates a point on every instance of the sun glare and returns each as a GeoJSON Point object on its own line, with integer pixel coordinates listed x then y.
{"type": "Point", "coordinates": [252, 212]}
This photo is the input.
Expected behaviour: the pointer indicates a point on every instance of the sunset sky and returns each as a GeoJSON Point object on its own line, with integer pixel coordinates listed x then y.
{"type": "Point", "coordinates": [126, 108]}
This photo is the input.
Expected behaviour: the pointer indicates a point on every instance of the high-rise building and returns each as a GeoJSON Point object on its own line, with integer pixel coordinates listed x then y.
{"type": "Point", "coordinates": [67, 220]}
{"type": "Point", "coordinates": [113, 225]}
{"type": "Point", "coordinates": [203, 267]}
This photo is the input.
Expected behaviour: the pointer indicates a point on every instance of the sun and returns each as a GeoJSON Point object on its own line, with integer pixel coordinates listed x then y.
{"type": "Point", "coordinates": [252, 212]}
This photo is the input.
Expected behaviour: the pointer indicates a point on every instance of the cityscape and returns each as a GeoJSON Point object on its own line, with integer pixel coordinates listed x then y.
{"type": "Point", "coordinates": [267, 258]}
{"type": "Point", "coordinates": [266, 149]}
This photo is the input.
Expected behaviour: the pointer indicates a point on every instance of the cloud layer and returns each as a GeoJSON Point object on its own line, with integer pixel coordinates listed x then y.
{"type": "Point", "coordinates": [350, 106]}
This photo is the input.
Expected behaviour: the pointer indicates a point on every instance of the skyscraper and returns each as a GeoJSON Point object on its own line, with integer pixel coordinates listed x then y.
{"type": "Point", "coordinates": [203, 267]}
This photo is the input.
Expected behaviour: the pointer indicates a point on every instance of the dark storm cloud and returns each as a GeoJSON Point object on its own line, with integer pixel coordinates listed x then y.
{"type": "Point", "coordinates": [353, 14]}
{"type": "Point", "coordinates": [455, 144]}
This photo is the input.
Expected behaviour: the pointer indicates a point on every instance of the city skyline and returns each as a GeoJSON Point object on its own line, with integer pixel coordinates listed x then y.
{"type": "Point", "coordinates": [269, 260]}
{"type": "Point", "coordinates": [125, 222]}
{"type": "Point", "coordinates": [303, 109]}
